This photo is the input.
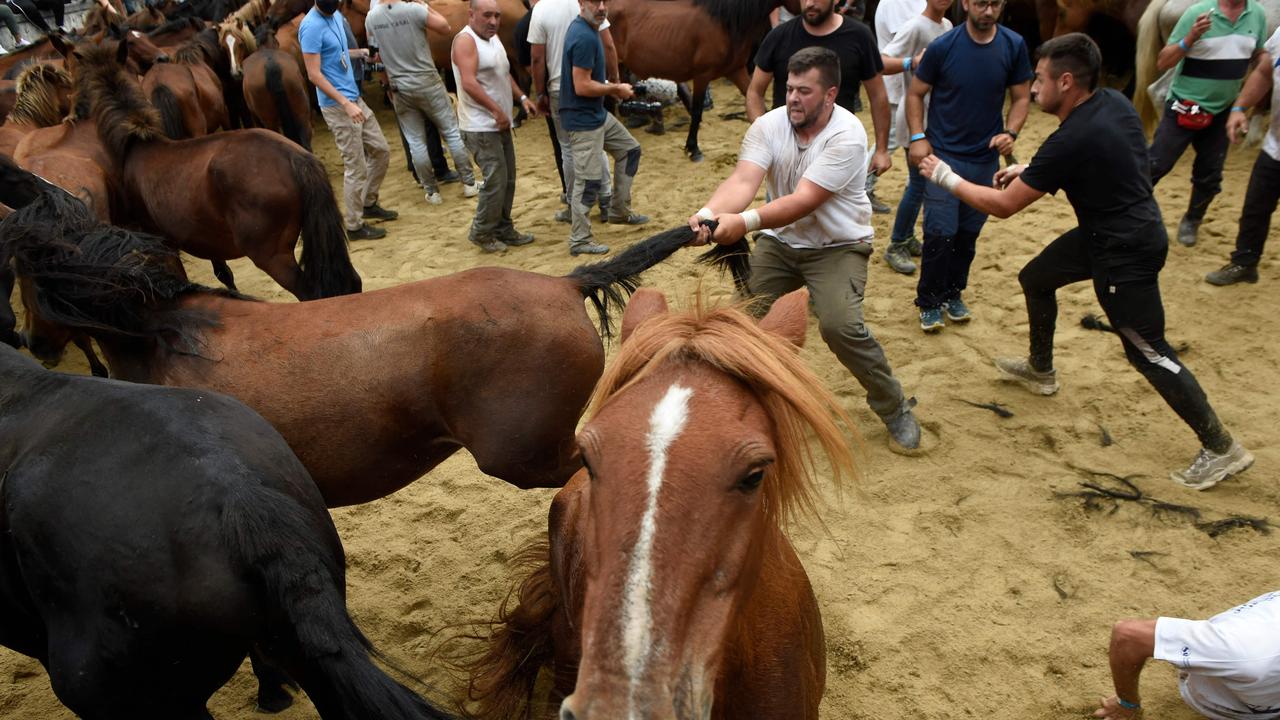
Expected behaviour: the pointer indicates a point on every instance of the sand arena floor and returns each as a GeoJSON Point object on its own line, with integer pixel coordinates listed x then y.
{"type": "Point", "coordinates": [957, 584]}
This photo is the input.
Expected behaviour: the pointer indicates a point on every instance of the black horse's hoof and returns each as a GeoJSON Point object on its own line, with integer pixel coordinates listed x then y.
{"type": "Point", "coordinates": [274, 700]}
{"type": "Point", "coordinates": [695, 155]}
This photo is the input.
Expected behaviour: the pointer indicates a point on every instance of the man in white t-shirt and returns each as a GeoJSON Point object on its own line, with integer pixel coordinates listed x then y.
{"type": "Point", "coordinates": [1264, 182]}
{"type": "Point", "coordinates": [817, 229]}
{"type": "Point", "coordinates": [548, 24]}
{"type": "Point", "coordinates": [899, 56]}
{"type": "Point", "coordinates": [1228, 665]}
{"type": "Point", "coordinates": [891, 16]}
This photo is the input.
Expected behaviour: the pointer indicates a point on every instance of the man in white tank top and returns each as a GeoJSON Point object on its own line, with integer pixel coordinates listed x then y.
{"type": "Point", "coordinates": [485, 91]}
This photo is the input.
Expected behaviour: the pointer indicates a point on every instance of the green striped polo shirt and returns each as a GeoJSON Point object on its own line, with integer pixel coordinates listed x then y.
{"type": "Point", "coordinates": [1213, 72]}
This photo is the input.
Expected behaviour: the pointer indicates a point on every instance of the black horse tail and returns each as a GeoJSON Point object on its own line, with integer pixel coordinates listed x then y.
{"type": "Point", "coordinates": [297, 558]}
{"type": "Point", "coordinates": [326, 264]}
{"type": "Point", "coordinates": [290, 124]}
{"type": "Point", "coordinates": [170, 113]}
{"type": "Point", "coordinates": [607, 283]}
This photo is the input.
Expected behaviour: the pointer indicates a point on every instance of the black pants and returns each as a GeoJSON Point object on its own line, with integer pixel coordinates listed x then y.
{"type": "Point", "coordinates": [30, 9]}
{"type": "Point", "coordinates": [435, 153]}
{"type": "Point", "coordinates": [1210, 144]}
{"type": "Point", "coordinates": [555, 147]}
{"type": "Point", "coordinates": [1259, 204]}
{"type": "Point", "coordinates": [1128, 289]}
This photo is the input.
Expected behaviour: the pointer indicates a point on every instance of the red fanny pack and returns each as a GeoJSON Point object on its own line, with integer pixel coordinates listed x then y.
{"type": "Point", "coordinates": [1191, 116]}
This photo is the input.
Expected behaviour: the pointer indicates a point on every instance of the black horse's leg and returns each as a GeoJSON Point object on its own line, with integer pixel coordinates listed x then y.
{"type": "Point", "coordinates": [8, 321]}
{"type": "Point", "coordinates": [272, 697]}
{"type": "Point", "coordinates": [95, 365]}
{"type": "Point", "coordinates": [695, 119]}
{"type": "Point", "coordinates": [224, 275]}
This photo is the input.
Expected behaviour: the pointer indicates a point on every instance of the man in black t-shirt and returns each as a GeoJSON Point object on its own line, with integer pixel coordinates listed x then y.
{"type": "Point", "coordinates": [1098, 157]}
{"type": "Point", "coordinates": [818, 25]}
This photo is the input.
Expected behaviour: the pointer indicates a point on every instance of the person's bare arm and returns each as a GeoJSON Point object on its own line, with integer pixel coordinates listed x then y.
{"type": "Point", "coordinates": [538, 70]}
{"type": "Point", "coordinates": [463, 54]}
{"type": "Point", "coordinates": [917, 150]}
{"type": "Point", "coordinates": [1173, 53]}
{"type": "Point", "coordinates": [735, 194]}
{"type": "Point", "coordinates": [438, 23]}
{"type": "Point", "coordinates": [610, 56]}
{"type": "Point", "coordinates": [880, 120]}
{"type": "Point", "coordinates": [1132, 642]}
{"type": "Point", "coordinates": [1019, 105]}
{"type": "Point", "coordinates": [1255, 89]}
{"type": "Point", "coordinates": [756, 105]}
{"type": "Point", "coordinates": [587, 86]}
{"type": "Point", "coordinates": [1010, 197]}
{"type": "Point", "coordinates": [317, 78]}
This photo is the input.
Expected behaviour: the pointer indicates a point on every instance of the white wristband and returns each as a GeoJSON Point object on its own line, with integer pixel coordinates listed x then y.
{"type": "Point", "coordinates": [705, 213]}
{"type": "Point", "coordinates": [752, 219]}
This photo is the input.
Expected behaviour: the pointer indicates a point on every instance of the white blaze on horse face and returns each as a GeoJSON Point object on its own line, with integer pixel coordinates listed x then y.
{"type": "Point", "coordinates": [665, 424]}
{"type": "Point", "coordinates": [231, 52]}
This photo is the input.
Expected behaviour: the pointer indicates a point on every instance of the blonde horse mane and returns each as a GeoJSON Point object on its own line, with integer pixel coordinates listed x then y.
{"type": "Point", "coordinates": [242, 33]}
{"type": "Point", "coordinates": [729, 340]}
{"type": "Point", "coordinates": [251, 13]}
{"type": "Point", "coordinates": [1149, 44]}
{"type": "Point", "coordinates": [37, 99]}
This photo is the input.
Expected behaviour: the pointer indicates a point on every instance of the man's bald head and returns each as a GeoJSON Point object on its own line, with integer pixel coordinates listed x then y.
{"type": "Point", "coordinates": [484, 18]}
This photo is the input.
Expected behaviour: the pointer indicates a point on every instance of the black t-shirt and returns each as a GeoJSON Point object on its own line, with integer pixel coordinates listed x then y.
{"type": "Point", "coordinates": [524, 51]}
{"type": "Point", "coordinates": [1099, 158]}
{"type": "Point", "coordinates": [852, 42]}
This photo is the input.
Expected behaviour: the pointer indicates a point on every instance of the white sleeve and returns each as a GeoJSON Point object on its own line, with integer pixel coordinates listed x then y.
{"type": "Point", "coordinates": [1273, 45]}
{"type": "Point", "coordinates": [755, 146]}
{"type": "Point", "coordinates": [1196, 646]}
{"type": "Point", "coordinates": [841, 160]}
{"type": "Point", "coordinates": [903, 44]}
{"type": "Point", "coordinates": [537, 27]}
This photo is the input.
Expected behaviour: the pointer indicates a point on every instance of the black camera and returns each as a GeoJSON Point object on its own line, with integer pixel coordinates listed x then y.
{"type": "Point", "coordinates": [639, 105]}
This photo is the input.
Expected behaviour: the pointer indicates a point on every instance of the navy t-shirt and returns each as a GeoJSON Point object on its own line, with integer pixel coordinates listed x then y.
{"type": "Point", "coordinates": [582, 48]}
{"type": "Point", "coordinates": [966, 107]}
{"type": "Point", "coordinates": [1098, 157]}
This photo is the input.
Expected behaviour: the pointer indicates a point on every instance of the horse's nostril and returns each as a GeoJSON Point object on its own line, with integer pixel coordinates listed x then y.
{"type": "Point", "coordinates": [567, 714]}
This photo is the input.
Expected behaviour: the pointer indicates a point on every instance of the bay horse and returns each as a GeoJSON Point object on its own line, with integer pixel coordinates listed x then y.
{"type": "Point", "coordinates": [275, 90]}
{"type": "Point", "coordinates": [371, 390]}
{"type": "Point", "coordinates": [187, 93]}
{"type": "Point", "coordinates": [151, 537]}
{"type": "Point", "coordinates": [223, 196]}
{"type": "Point", "coordinates": [43, 98]}
{"type": "Point", "coordinates": [668, 588]}
{"type": "Point", "coordinates": [691, 40]}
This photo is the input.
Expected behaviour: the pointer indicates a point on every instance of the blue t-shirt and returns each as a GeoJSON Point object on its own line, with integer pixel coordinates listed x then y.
{"type": "Point", "coordinates": [582, 48]}
{"type": "Point", "coordinates": [966, 107]}
{"type": "Point", "coordinates": [327, 37]}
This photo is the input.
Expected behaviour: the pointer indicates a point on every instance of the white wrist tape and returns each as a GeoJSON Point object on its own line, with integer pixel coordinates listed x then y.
{"type": "Point", "coordinates": [752, 219]}
{"type": "Point", "coordinates": [945, 177]}
{"type": "Point", "coordinates": [705, 213]}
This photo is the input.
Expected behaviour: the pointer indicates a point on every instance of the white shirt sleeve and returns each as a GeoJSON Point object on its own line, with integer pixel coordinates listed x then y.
{"type": "Point", "coordinates": [903, 44]}
{"type": "Point", "coordinates": [538, 26]}
{"type": "Point", "coordinates": [756, 148]}
{"type": "Point", "coordinates": [840, 161]}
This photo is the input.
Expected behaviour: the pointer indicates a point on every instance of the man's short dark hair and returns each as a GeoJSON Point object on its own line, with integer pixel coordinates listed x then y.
{"type": "Point", "coordinates": [1074, 53]}
{"type": "Point", "coordinates": [826, 61]}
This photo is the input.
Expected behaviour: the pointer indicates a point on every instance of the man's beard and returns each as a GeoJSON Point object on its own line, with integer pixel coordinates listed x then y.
{"type": "Point", "coordinates": [822, 16]}
{"type": "Point", "coordinates": [807, 121]}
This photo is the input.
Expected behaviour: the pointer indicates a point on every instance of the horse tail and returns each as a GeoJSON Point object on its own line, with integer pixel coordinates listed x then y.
{"type": "Point", "coordinates": [290, 123]}
{"type": "Point", "coordinates": [1149, 44]}
{"type": "Point", "coordinates": [500, 678]}
{"type": "Point", "coordinates": [326, 263]}
{"type": "Point", "coordinates": [297, 558]}
{"type": "Point", "coordinates": [605, 283]}
{"type": "Point", "coordinates": [170, 112]}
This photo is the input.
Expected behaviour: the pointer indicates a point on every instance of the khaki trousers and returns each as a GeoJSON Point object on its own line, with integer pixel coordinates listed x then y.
{"type": "Point", "coordinates": [364, 159]}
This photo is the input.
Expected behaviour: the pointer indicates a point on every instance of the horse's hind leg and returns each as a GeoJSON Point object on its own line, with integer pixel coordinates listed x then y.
{"type": "Point", "coordinates": [272, 696]}
{"type": "Point", "coordinates": [283, 268]}
{"type": "Point", "coordinates": [695, 119]}
{"type": "Point", "coordinates": [95, 365]}
{"type": "Point", "coordinates": [223, 272]}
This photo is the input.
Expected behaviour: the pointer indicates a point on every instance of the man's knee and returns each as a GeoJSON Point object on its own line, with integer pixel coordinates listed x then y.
{"type": "Point", "coordinates": [590, 192]}
{"type": "Point", "coordinates": [843, 328]}
{"type": "Point", "coordinates": [631, 161]}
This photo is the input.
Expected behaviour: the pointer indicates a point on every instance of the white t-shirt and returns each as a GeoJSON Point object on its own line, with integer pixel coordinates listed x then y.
{"type": "Point", "coordinates": [912, 37]}
{"type": "Point", "coordinates": [891, 15]}
{"type": "Point", "coordinates": [1229, 665]}
{"type": "Point", "coordinates": [835, 159]}
{"type": "Point", "coordinates": [1271, 145]}
{"type": "Point", "coordinates": [547, 26]}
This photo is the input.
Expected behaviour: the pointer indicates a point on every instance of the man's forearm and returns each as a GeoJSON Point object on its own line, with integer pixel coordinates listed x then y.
{"type": "Point", "coordinates": [1132, 642]}
{"type": "Point", "coordinates": [879, 112]}
{"type": "Point", "coordinates": [323, 85]}
{"type": "Point", "coordinates": [471, 86]}
{"type": "Point", "coordinates": [1169, 56]}
{"type": "Point", "coordinates": [733, 196]}
{"type": "Point", "coordinates": [1256, 87]}
{"type": "Point", "coordinates": [539, 69]}
{"type": "Point", "coordinates": [1018, 110]}
{"type": "Point", "coordinates": [915, 113]}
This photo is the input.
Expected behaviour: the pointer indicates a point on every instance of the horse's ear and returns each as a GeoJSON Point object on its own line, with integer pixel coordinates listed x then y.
{"type": "Point", "coordinates": [60, 44]}
{"type": "Point", "coordinates": [789, 317]}
{"type": "Point", "coordinates": [122, 52]}
{"type": "Point", "coordinates": [644, 304]}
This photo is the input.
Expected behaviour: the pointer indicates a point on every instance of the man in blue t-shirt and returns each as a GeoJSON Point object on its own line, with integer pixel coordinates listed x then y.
{"type": "Point", "coordinates": [327, 55]}
{"type": "Point", "coordinates": [968, 71]}
{"type": "Point", "coordinates": [591, 129]}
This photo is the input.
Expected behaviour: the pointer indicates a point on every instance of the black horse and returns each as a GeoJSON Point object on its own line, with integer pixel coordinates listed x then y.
{"type": "Point", "coordinates": [150, 537]}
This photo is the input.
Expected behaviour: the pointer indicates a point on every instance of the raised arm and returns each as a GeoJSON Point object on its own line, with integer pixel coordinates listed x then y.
{"type": "Point", "coordinates": [1188, 33]}
{"type": "Point", "coordinates": [437, 22]}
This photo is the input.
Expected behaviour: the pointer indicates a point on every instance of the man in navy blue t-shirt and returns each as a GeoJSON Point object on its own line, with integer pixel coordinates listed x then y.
{"type": "Point", "coordinates": [966, 73]}
{"type": "Point", "coordinates": [591, 129]}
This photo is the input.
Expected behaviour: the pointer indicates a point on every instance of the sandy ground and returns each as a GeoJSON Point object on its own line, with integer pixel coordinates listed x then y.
{"type": "Point", "coordinates": [958, 584]}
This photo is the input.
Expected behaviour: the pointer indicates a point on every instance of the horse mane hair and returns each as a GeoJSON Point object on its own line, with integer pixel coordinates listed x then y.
{"type": "Point", "coordinates": [730, 341]}
{"type": "Point", "coordinates": [201, 48]}
{"type": "Point", "coordinates": [116, 101]}
{"type": "Point", "coordinates": [37, 99]}
{"type": "Point", "coordinates": [95, 277]}
{"type": "Point", "coordinates": [740, 18]}
{"type": "Point", "coordinates": [265, 36]}
{"type": "Point", "coordinates": [243, 33]}
{"type": "Point", "coordinates": [173, 25]}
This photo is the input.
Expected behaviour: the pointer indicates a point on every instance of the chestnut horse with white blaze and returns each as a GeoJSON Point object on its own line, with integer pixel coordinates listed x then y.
{"type": "Point", "coordinates": [669, 589]}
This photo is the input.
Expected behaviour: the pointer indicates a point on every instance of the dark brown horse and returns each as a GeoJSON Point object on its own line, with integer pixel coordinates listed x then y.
{"type": "Point", "coordinates": [668, 589]}
{"type": "Point", "coordinates": [275, 91]}
{"type": "Point", "coordinates": [691, 40]}
{"type": "Point", "coordinates": [371, 390]}
{"type": "Point", "coordinates": [187, 93]}
{"type": "Point", "coordinates": [223, 196]}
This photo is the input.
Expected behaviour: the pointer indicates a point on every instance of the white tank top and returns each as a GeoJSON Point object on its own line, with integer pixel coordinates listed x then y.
{"type": "Point", "coordinates": [492, 70]}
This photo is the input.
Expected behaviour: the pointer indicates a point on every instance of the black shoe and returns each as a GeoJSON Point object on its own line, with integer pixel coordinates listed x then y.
{"type": "Point", "coordinates": [1231, 273]}
{"type": "Point", "coordinates": [377, 212]}
{"type": "Point", "coordinates": [632, 219]}
{"type": "Point", "coordinates": [1188, 230]}
{"type": "Point", "coordinates": [366, 232]}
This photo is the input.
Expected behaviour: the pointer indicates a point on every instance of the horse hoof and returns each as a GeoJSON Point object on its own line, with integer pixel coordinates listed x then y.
{"type": "Point", "coordinates": [696, 156]}
{"type": "Point", "coordinates": [274, 701]}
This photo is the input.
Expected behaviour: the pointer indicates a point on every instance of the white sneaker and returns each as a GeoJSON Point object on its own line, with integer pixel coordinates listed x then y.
{"type": "Point", "coordinates": [473, 189]}
{"type": "Point", "coordinates": [433, 197]}
{"type": "Point", "coordinates": [3, 51]}
{"type": "Point", "coordinates": [1209, 468]}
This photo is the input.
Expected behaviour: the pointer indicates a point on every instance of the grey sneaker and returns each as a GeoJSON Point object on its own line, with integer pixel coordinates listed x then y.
{"type": "Point", "coordinates": [518, 239]}
{"type": "Point", "coordinates": [914, 246]}
{"type": "Point", "coordinates": [1231, 273]}
{"type": "Point", "coordinates": [1187, 231]}
{"type": "Point", "coordinates": [904, 429]}
{"type": "Point", "coordinates": [589, 248]}
{"type": "Point", "coordinates": [563, 215]}
{"type": "Point", "coordinates": [898, 256]}
{"type": "Point", "coordinates": [1209, 468]}
{"type": "Point", "coordinates": [632, 219]}
{"type": "Point", "coordinates": [492, 246]}
{"type": "Point", "coordinates": [878, 207]}
{"type": "Point", "coordinates": [1019, 370]}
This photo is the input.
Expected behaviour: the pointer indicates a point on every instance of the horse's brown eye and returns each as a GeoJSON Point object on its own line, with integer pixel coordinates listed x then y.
{"type": "Point", "coordinates": [751, 482]}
